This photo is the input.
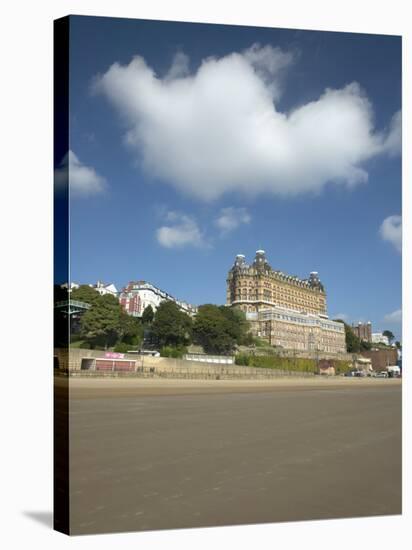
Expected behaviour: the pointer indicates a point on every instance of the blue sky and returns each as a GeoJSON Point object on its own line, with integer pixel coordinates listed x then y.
{"type": "Point", "coordinates": [219, 140]}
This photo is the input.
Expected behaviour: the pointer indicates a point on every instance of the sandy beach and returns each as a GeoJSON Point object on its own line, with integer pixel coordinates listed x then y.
{"type": "Point", "coordinates": [160, 454]}
{"type": "Point", "coordinates": [128, 387]}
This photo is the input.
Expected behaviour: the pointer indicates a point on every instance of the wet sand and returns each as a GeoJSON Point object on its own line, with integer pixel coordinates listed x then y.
{"type": "Point", "coordinates": [155, 454]}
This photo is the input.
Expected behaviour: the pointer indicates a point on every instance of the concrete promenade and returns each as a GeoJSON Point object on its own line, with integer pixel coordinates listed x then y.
{"type": "Point", "coordinates": [157, 454]}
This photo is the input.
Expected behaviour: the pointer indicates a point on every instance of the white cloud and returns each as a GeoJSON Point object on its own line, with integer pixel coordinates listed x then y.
{"type": "Point", "coordinates": [218, 129]}
{"type": "Point", "coordinates": [231, 218]}
{"type": "Point", "coordinates": [391, 231]}
{"type": "Point", "coordinates": [181, 230]}
{"type": "Point", "coordinates": [179, 67]}
{"type": "Point", "coordinates": [394, 317]}
{"type": "Point", "coordinates": [84, 180]}
{"type": "Point", "coordinates": [393, 141]}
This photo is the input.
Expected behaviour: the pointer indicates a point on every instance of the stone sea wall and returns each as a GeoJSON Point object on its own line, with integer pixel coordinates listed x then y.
{"type": "Point", "coordinates": [71, 363]}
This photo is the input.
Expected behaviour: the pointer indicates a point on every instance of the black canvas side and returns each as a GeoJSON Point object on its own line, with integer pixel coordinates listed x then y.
{"type": "Point", "coordinates": [61, 276]}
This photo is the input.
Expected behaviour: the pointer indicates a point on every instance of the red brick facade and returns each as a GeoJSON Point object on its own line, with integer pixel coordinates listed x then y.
{"type": "Point", "coordinates": [381, 358]}
{"type": "Point", "coordinates": [363, 331]}
{"type": "Point", "coordinates": [130, 302]}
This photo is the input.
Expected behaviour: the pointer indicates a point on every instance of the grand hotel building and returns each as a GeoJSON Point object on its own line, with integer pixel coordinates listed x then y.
{"type": "Point", "coordinates": [284, 310]}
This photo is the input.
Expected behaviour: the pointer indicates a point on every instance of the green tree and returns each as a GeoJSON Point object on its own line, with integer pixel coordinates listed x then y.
{"type": "Point", "coordinates": [85, 293]}
{"type": "Point", "coordinates": [390, 335]}
{"type": "Point", "coordinates": [218, 328]}
{"type": "Point", "coordinates": [104, 323]}
{"type": "Point", "coordinates": [171, 326]}
{"type": "Point", "coordinates": [239, 327]}
{"type": "Point", "coordinates": [131, 330]}
{"type": "Point", "coordinates": [148, 315]}
{"type": "Point", "coordinates": [353, 344]}
{"type": "Point", "coordinates": [398, 344]}
{"type": "Point", "coordinates": [365, 346]}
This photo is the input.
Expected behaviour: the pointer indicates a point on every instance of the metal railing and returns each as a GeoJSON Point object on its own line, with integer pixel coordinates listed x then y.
{"type": "Point", "coordinates": [75, 303]}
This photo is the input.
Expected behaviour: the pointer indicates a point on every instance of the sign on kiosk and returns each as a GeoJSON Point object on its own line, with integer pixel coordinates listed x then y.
{"type": "Point", "coordinates": [114, 355]}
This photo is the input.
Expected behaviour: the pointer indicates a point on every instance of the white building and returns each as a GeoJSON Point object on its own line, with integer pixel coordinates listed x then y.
{"type": "Point", "coordinates": [103, 288]}
{"type": "Point", "coordinates": [379, 338]}
{"type": "Point", "coordinates": [136, 296]}
{"type": "Point", "coordinates": [300, 331]}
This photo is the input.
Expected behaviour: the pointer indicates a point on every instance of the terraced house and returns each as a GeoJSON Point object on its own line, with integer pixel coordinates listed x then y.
{"type": "Point", "coordinates": [284, 310]}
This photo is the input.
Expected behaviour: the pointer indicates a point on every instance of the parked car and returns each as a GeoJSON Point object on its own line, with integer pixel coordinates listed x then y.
{"type": "Point", "coordinates": [382, 374]}
{"type": "Point", "coordinates": [393, 371]}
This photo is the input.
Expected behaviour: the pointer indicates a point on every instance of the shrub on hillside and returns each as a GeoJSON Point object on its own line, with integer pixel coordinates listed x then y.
{"type": "Point", "coordinates": [174, 352]}
{"type": "Point", "coordinates": [276, 362]}
{"type": "Point", "coordinates": [86, 345]}
{"type": "Point", "coordinates": [242, 359]}
{"type": "Point", "coordinates": [341, 367]}
{"type": "Point", "coordinates": [122, 347]}
{"type": "Point", "coordinates": [271, 360]}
